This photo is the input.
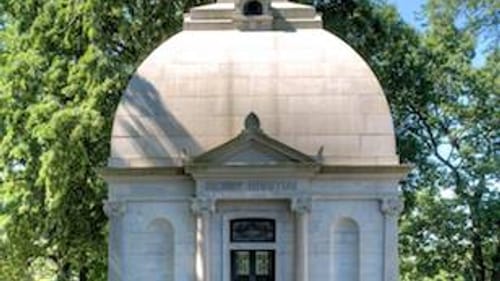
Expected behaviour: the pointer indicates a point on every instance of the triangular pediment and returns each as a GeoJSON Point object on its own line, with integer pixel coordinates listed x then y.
{"type": "Point", "coordinates": [252, 153]}
{"type": "Point", "coordinates": [252, 147]}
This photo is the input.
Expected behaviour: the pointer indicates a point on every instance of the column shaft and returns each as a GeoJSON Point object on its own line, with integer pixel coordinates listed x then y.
{"type": "Point", "coordinates": [301, 246]}
{"type": "Point", "coordinates": [391, 266]}
{"type": "Point", "coordinates": [115, 212]}
{"type": "Point", "coordinates": [301, 206]}
{"type": "Point", "coordinates": [202, 208]}
{"type": "Point", "coordinates": [205, 221]}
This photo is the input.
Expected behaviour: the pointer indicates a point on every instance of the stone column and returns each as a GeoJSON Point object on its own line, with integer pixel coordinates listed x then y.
{"type": "Point", "coordinates": [203, 208]}
{"type": "Point", "coordinates": [391, 208]}
{"type": "Point", "coordinates": [301, 207]}
{"type": "Point", "coordinates": [115, 211]}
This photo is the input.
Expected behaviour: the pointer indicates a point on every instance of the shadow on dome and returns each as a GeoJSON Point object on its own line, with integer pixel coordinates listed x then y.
{"type": "Point", "coordinates": [154, 131]}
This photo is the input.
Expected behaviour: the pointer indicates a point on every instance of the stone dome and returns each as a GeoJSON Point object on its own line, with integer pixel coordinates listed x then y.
{"type": "Point", "coordinates": [310, 90]}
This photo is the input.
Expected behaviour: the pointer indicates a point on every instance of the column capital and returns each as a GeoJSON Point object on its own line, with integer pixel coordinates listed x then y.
{"type": "Point", "coordinates": [301, 205]}
{"type": "Point", "coordinates": [202, 205]}
{"type": "Point", "coordinates": [114, 209]}
{"type": "Point", "coordinates": [391, 206]}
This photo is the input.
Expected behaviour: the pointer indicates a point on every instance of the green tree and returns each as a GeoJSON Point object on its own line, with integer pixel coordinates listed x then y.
{"type": "Point", "coordinates": [63, 66]}
{"type": "Point", "coordinates": [446, 113]}
{"type": "Point", "coordinates": [457, 235]}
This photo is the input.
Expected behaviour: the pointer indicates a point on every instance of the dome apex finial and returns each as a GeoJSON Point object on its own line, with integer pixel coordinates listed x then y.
{"type": "Point", "coordinates": [252, 122]}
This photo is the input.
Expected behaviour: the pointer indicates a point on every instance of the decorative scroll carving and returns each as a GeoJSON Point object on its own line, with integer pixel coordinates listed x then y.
{"type": "Point", "coordinates": [202, 205]}
{"type": "Point", "coordinates": [391, 206]}
{"type": "Point", "coordinates": [301, 204]}
{"type": "Point", "coordinates": [114, 208]}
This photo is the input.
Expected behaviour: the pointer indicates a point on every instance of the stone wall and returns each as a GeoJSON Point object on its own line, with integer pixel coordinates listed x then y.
{"type": "Point", "coordinates": [347, 229]}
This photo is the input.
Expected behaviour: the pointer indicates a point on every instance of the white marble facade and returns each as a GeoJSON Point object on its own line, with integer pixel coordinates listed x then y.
{"type": "Point", "coordinates": [336, 223]}
{"type": "Point", "coordinates": [348, 235]}
{"type": "Point", "coordinates": [285, 124]}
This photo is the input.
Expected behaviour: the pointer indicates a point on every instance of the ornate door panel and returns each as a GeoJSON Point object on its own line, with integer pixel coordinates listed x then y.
{"type": "Point", "coordinates": [252, 265]}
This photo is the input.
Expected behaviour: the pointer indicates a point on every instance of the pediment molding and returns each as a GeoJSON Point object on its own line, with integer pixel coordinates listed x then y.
{"type": "Point", "coordinates": [252, 149]}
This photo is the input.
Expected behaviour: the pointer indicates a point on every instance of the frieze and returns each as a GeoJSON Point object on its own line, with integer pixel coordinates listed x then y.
{"type": "Point", "coordinates": [250, 186]}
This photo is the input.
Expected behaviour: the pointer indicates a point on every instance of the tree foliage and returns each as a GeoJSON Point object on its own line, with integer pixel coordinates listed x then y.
{"type": "Point", "coordinates": [63, 65]}
{"type": "Point", "coordinates": [455, 224]}
{"type": "Point", "coordinates": [447, 117]}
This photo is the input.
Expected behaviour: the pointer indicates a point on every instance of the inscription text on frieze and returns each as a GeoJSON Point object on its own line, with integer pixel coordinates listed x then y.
{"type": "Point", "coordinates": [250, 186]}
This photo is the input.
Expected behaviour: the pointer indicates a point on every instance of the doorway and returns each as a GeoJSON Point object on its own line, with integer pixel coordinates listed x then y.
{"type": "Point", "coordinates": [252, 265]}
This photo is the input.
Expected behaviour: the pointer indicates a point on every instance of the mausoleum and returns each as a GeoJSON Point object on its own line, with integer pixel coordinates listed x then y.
{"type": "Point", "coordinates": [253, 146]}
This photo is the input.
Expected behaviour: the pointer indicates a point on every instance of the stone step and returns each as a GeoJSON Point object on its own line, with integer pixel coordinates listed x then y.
{"type": "Point", "coordinates": [298, 23]}
{"type": "Point", "coordinates": [225, 24]}
{"type": "Point", "coordinates": [221, 15]}
{"type": "Point", "coordinates": [213, 11]}
{"type": "Point", "coordinates": [208, 24]}
{"type": "Point", "coordinates": [295, 13]}
{"type": "Point", "coordinates": [286, 10]}
{"type": "Point", "coordinates": [226, 10]}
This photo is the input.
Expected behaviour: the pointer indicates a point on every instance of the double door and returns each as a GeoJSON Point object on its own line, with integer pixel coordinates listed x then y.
{"type": "Point", "coordinates": [252, 265]}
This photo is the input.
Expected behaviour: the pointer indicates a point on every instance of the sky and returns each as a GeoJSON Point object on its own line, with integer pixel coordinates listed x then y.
{"type": "Point", "coordinates": [408, 9]}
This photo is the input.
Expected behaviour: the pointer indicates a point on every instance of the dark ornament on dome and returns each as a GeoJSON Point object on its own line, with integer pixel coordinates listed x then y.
{"type": "Point", "coordinates": [252, 123]}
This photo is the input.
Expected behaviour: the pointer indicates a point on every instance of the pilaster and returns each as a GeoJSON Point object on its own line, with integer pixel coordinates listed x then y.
{"type": "Point", "coordinates": [301, 206]}
{"type": "Point", "coordinates": [115, 210]}
{"type": "Point", "coordinates": [391, 208]}
{"type": "Point", "coordinates": [203, 208]}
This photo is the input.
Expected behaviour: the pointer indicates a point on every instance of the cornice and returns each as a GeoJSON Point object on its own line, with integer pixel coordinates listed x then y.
{"type": "Point", "coordinates": [277, 170]}
{"type": "Point", "coordinates": [366, 169]}
{"type": "Point", "coordinates": [114, 172]}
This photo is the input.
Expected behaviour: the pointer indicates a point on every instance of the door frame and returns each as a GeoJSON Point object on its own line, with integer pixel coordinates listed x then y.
{"type": "Point", "coordinates": [281, 218]}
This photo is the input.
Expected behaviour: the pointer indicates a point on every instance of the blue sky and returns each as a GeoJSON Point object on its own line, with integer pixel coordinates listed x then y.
{"type": "Point", "coordinates": [408, 9]}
